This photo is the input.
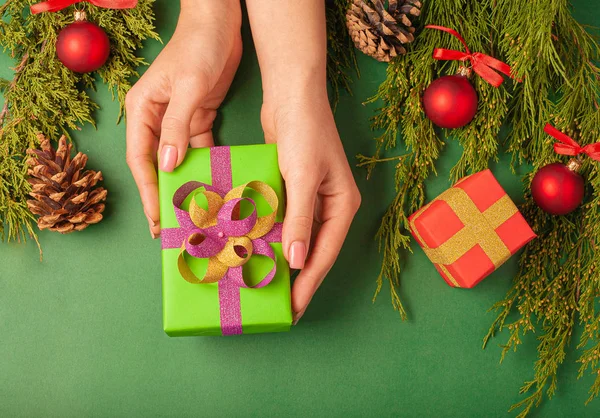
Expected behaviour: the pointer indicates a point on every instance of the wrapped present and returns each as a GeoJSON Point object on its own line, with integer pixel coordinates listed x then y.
{"type": "Point", "coordinates": [224, 271]}
{"type": "Point", "coordinates": [470, 230]}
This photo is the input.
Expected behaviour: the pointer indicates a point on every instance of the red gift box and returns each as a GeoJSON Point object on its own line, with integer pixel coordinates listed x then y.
{"type": "Point", "coordinates": [470, 230]}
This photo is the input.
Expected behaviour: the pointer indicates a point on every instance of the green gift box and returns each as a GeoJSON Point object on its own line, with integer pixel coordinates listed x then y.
{"type": "Point", "coordinates": [223, 267]}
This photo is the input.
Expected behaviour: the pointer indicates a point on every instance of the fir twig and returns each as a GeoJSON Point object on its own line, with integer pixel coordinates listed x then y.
{"type": "Point", "coordinates": [558, 283]}
{"type": "Point", "coordinates": [341, 57]}
{"type": "Point", "coordinates": [44, 96]}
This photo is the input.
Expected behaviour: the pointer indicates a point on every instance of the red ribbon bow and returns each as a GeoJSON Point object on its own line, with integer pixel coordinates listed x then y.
{"type": "Point", "coordinates": [482, 64]}
{"type": "Point", "coordinates": [568, 146]}
{"type": "Point", "coordinates": [56, 5]}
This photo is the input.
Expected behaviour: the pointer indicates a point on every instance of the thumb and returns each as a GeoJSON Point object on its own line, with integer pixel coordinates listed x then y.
{"type": "Point", "coordinates": [175, 128]}
{"type": "Point", "coordinates": [298, 221]}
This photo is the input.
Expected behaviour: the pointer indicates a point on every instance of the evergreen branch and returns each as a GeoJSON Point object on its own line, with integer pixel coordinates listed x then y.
{"type": "Point", "coordinates": [557, 286]}
{"type": "Point", "coordinates": [12, 85]}
{"type": "Point", "coordinates": [370, 161]}
{"type": "Point", "coordinates": [44, 96]}
{"type": "Point", "coordinates": [341, 57]}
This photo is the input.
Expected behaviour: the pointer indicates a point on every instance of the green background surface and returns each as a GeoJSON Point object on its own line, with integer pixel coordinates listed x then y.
{"type": "Point", "coordinates": [81, 332]}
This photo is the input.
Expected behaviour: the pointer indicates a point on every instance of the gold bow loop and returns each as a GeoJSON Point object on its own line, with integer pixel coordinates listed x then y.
{"type": "Point", "coordinates": [201, 217]}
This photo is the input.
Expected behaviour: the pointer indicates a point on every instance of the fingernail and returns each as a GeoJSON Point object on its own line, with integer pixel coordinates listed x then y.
{"type": "Point", "coordinates": [152, 234]}
{"type": "Point", "coordinates": [168, 158]}
{"type": "Point", "coordinates": [297, 317]}
{"type": "Point", "coordinates": [297, 254]}
{"type": "Point", "coordinates": [151, 222]}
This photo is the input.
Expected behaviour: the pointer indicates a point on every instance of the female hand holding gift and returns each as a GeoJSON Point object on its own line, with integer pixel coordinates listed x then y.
{"type": "Point", "coordinates": [296, 114]}
{"type": "Point", "coordinates": [175, 102]}
{"type": "Point", "coordinates": [177, 99]}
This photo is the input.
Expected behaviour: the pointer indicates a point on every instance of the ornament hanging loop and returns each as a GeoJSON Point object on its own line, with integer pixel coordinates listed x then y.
{"type": "Point", "coordinates": [487, 67]}
{"type": "Point", "coordinates": [56, 5]}
{"type": "Point", "coordinates": [568, 146]}
{"type": "Point", "coordinates": [79, 12]}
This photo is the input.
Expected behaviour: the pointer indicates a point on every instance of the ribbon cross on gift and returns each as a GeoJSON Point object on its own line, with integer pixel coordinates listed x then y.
{"type": "Point", "coordinates": [217, 234]}
{"type": "Point", "coordinates": [479, 228]}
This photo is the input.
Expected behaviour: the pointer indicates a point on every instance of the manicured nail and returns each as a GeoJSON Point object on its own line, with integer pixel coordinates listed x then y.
{"type": "Point", "coordinates": [151, 222]}
{"type": "Point", "coordinates": [297, 254]}
{"type": "Point", "coordinates": [168, 158]}
{"type": "Point", "coordinates": [297, 317]}
{"type": "Point", "coordinates": [152, 234]}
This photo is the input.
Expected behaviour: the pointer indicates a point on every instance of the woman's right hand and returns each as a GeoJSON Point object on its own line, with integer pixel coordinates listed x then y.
{"type": "Point", "coordinates": [174, 104]}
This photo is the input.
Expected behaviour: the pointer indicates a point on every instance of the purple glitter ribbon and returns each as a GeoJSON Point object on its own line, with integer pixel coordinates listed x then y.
{"type": "Point", "coordinates": [217, 236]}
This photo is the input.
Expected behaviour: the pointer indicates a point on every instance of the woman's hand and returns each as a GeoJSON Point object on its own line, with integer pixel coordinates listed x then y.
{"type": "Point", "coordinates": [322, 197]}
{"type": "Point", "coordinates": [175, 103]}
{"type": "Point", "coordinates": [296, 115]}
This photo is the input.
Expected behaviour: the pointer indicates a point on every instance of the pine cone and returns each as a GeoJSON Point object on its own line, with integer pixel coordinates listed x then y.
{"type": "Point", "coordinates": [378, 32]}
{"type": "Point", "coordinates": [64, 197]}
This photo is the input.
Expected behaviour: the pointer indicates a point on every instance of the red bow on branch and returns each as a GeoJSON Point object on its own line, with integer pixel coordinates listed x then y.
{"type": "Point", "coordinates": [56, 5]}
{"type": "Point", "coordinates": [482, 64]}
{"type": "Point", "coordinates": [568, 146]}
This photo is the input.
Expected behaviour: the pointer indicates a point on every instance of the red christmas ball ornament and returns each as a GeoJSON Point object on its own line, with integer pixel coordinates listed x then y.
{"type": "Point", "coordinates": [557, 188]}
{"type": "Point", "coordinates": [450, 101]}
{"type": "Point", "coordinates": [82, 46]}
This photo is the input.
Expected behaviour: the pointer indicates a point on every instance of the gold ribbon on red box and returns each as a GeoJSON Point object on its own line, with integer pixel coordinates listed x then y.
{"type": "Point", "coordinates": [481, 212]}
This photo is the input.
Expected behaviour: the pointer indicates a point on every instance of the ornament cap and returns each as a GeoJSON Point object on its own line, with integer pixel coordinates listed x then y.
{"type": "Point", "coordinates": [80, 15]}
{"type": "Point", "coordinates": [464, 71]}
{"type": "Point", "coordinates": [574, 165]}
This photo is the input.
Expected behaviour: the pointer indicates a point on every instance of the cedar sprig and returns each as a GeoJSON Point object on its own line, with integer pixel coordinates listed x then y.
{"type": "Point", "coordinates": [558, 283]}
{"type": "Point", "coordinates": [46, 97]}
{"type": "Point", "coordinates": [341, 56]}
{"type": "Point", "coordinates": [557, 287]}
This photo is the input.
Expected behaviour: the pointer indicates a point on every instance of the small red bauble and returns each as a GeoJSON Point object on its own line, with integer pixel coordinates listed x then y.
{"type": "Point", "coordinates": [450, 101]}
{"type": "Point", "coordinates": [82, 46]}
{"type": "Point", "coordinates": [558, 189]}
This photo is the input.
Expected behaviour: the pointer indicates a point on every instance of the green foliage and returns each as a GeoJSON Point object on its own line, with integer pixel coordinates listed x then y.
{"type": "Point", "coordinates": [44, 96]}
{"type": "Point", "coordinates": [341, 57]}
{"type": "Point", "coordinates": [558, 283]}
